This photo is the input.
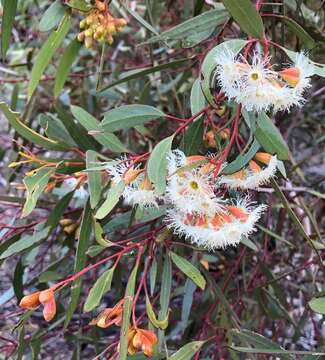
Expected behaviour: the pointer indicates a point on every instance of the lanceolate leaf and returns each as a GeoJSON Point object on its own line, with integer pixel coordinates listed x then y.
{"type": "Point", "coordinates": [35, 186]}
{"type": "Point", "coordinates": [112, 199]}
{"type": "Point", "coordinates": [94, 178]}
{"type": "Point", "coordinates": [127, 116]}
{"type": "Point", "coordinates": [247, 16]}
{"type": "Point", "coordinates": [46, 53]}
{"type": "Point", "coordinates": [8, 17]}
{"type": "Point", "coordinates": [90, 123]}
{"type": "Point", "coordinates": [201, 24]}
{"type": "Point", "coordinates": [64, 68]}
{"type": "Point", "coordinates": [188, 351]}
{"type": "Point", "coordinates": [157, 164]}
{"type": "Point", "coordinates": [299, 31]}
{"type": "Point", "coordinates": [160, 324]}
{"type": "Point", "coordinates": [270, 138]}
{"type": "Point", "coordinates": [80, 261]}
{"type": "Point", "coordinates": [318, 305]}
{"type": "Point", "coordinates": [52, 16]}
{"type": "Point", "coordinates": [101, 286]}
{"type": "Point", "coordinates": [189, 270]}
{"type": "Point", "coordinates": [27, 133]}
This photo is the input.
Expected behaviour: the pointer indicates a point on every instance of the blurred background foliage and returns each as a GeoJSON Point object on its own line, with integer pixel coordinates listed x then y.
{"type": "Point", "coordinates": [261, 289]}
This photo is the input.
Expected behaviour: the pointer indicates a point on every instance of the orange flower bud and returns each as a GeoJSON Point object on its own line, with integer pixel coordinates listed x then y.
{"type": "Point", "coordinates": [224, 134]}
{"type": "Point", "coordinates": [209, 138]}
{"type": "Point", "coordinates": [239, 213]}
{"type": "Point", "coordinates": [205, 264]}
{"type": "Point", "coordinates": [263, 157]}
{"type": "Point", "coordinates": [30, 301]}
{"type": "Point", "coordinates": [254, 167]}
{"type": "Point", "coordinates": [290, 75]}
{"type": "Point", "coordinates": [109, 316]}
{"type": "Point", "coordinates": [194, 158]}
{"type": "Point", "coordinates": [120, 22]}
{"type": "Point", "coordinates": [49, 310]}
{"type": "Point", "coordinates": [46, 296]}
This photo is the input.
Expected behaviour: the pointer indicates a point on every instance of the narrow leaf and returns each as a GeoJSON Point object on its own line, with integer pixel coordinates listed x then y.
{"type": "Point", "coordinates": [52, 16]}
{"type": "Point", "coordinates": [112, 199]}
{"type": "Point", "coordinates": [8, 18]}
{"type": "Point", "coordinates": [187, 351]}
{"type": "Point", "coordinates": [189, 270]}
{"type": "Point", "coordinates": [94, 178]}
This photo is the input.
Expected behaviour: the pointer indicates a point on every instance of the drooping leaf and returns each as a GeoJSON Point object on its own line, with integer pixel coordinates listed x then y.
{"type": "Point", "coordinates": [27, 133]}
{"type": "Point", "coordinates": [101, 286]}
{"type": "Point", "coordinates": [246, 16]}
{"type": "Point", "coordinates": [187, 351]}
{"type": "Point", "coordinates": [159, 324]}
{"type": "Point", "coordinates": [317, 305]}
{"type": "Point", "coordinates": [64, 68]}
{"type": "Point", "coordinates": [128, 116]}
{"type": "Point", "coordinates": [112, 199]}
{"type": "Point", "coordinates": [299, 31]}
{"type": "Point", "coordinates": [94, 178]}
{"type": "Point", "coordinates": [189, 270]}
{"type": "Point", "coordinates": [108, 140]}
{"type": "Point", "coordinates": [46, 53]}
{"type": "Point", "coordinates": [203, 25]}
{"type": "Point", "coordinates": [52, 16]}
{"type": "Point", "coordinates": [80, 261]}
{"type": "Point", "coordinates": [35, 185]}
{"type": "Point", "coordinates": [242, 159]}
{"type": "Point", "coordinates": [157, 164]}
{"type": "Point", "coordinates": [8, 18]}
{"type": "Point", "coordinates": [270, 138]}
{"type": "Point", "coordinates": [25, 242]}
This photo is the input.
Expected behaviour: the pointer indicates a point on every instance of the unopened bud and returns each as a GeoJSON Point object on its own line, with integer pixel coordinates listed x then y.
{"type": "Point", "coordinates": [254, 167]}
{"type": "Point", "coordinates": [30, 301]}
{"type": "Point", "coordinates": [291, 76]}
{"type": "Point", "coordinates": [81, 36]}
{"type": "Point", "coordinates": [131, 174]}
{"type": "Point", "coordinates": [49, 310]}
{"type": "Point", "coordinates": [220, 111]}
{"type": "Point", "coordinates": [263, 157]}
{"type": "Point", "coordinates": [88, 42]}
{"type": "Point", "coordinates": [46, 295]}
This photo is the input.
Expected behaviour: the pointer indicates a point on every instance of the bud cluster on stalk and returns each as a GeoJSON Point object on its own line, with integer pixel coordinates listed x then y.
{"type": "Point", "coordinates": [100, 25]}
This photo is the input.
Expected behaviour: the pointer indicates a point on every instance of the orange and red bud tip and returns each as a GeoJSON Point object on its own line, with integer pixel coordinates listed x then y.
{"type": "Point", "coordinates": [291, 76]}
{"type": "Point", "coordinates": [263, 157]}
{"type": "Point", "coordinates": [109, 316]}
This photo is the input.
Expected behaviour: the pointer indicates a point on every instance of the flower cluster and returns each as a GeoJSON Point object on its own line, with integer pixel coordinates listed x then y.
{"type": "Point", "coordinates": [100, 25]}
{"type": "Point", "coordinates": [257, 86]}
{"type": "Point", "coordinates": [198, 207]}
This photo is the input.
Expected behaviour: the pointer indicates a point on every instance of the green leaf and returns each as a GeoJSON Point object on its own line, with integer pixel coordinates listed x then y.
{"type": "Point", "coordinates": [299, 31]}
{"type": "Point", "coordinates": [35, 186]}
{"type": "Point", "coordinates": [68, 58]}
{"type": "Point", "coordinates": [46, 53]}
{"type": "Point", "coordinates": [203, 25]}
{"type": "Point", "coordinates": [81, 5]}
{"type": "Point", "coordinates": [127, 307]}
{"type": "Point", "coordinates": [209, 66]}
{"type": "Point", "coordinates": [140, 73]}
{"type": "Point", "coordinates": [197, 98]}
{"type": "Point", "coordinates": [242, 159]}
{"type": "Point", "coordinates": [94, 178]}
{"type": "Point", "coordinates": [270, 138]}
{"type": "Point", "coordinates": [101, 286]}
{"type": "Point", "coordinates": [159, 324]}
{"type": "Point", "coordinates": [80, 261]}
{"type": "Point", "coordinates": [259, 341]}
{"type": "Point", "coordinates": [18, 281]}
{"type": "Point", "coordinates": [246, 16]}
{"type": "Point", "coordinates": [52, 16]}
{"type": "Point", "coordinates": [157, 164]}
{"type": "Point", "coordinates": [8, 18]}
{"type": "Point", "coordinates": [75, 130]}
{"type": "Point", "coordinates": [187, 351]}
{"type": "Point", "coordinates": [189, 270]}
{"type": "Point", "coordinates": [25, 242]}
{"type": "Point", "coordinates": [90, 123]}
{"type": "Point", "coordinates": [193, 137]}
{"type": "Point", "coordinates": [318, 305]}
{"type": "Point", "coordinates": [27, 133]}
{"type": "Point", "coordinates": [282, 354]}
{"type": "Point", "coordinates": [55, 130]}
{"type": "Point", "coordinates": [112, 199]}
{"type": "Point", "coordinates": [128, 116]}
